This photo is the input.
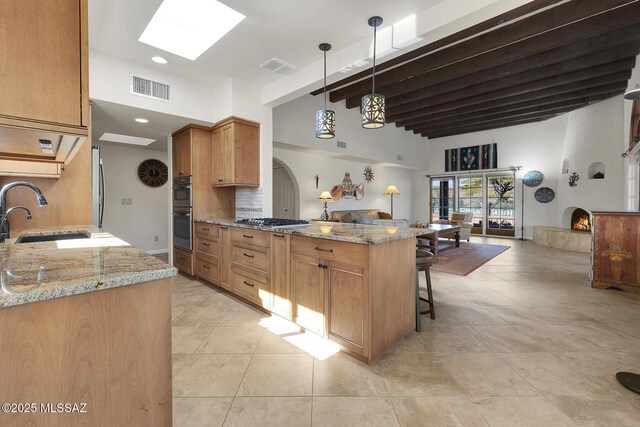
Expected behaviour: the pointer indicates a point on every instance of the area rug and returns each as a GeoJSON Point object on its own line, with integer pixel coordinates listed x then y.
{"type": "Point", "coordinates": [466, 258]}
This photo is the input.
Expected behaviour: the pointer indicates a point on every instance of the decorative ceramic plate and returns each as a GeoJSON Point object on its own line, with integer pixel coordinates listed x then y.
{"type": "Point", "coordinates": [544, 195]}
{"type": "Point", "coordinates": [532, 178]}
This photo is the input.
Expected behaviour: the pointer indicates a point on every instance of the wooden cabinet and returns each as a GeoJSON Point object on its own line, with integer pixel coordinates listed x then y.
{"type": "Point", "coordinates": [279, 275]}
{"type": "Point", "coordinates": [207, 252]}
{"type": "Point", "coordinates": [308, 286]}
{"type": "Point", "coordinates": [183, 260]}
{"type": "Point", "coordinates": [615, 255]}
{"type": "Point", "coordinates": [44, 65]}
{"type": "Point", "coordinates": [250, 258]}
{"type": "Point", "coordinates": [236, 153]}
{"type": "Point", "coordinates": [225, 258]}
{"type": "Point", "coordinates": [347, 304]}
{"type": "Point", "coordinates": [182, 153]}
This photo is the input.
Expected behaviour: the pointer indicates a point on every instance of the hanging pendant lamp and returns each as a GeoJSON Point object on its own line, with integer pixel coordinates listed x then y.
{"type": "Point", "coordinates": [325, 119]}
{"type": "Point", "coordinates": [373, 105]}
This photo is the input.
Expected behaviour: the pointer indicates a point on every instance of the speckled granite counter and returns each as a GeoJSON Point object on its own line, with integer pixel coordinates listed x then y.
{"type": "Point", "coordinates": [345, 232]}
{"type": "Point", "coordinates": [31, 272]}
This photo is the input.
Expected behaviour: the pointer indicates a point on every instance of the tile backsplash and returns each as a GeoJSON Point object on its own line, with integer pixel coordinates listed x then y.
{"type": "Point", "coordinates": [249, 202]}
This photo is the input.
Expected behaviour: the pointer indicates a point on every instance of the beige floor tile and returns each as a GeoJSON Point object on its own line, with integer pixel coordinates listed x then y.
{"type": "Point", "coordinates": [451, 339]}
{"type": "Point", "coordinates": [506, 339]}
{"type": "Point", "coordinates": [436, 411]}
{"type": "Point", "coordinates": [230, 339]}
{"type": "Point", "coordinates": [197, 411]}
{"type": "Point", "coordinates": [278, 375]}
{"type": "Point", "coordinates": [585, 411]}
{"type": "Point", "coordinates": [241, 315]}
{"type": "Point", "coordinates": [197, 316]}
{"type": "Point", "coordinates": [521, 411]}
{"type": "Point", "coordinates": [353, 411]}
{"type": "Point", "coordinates": [272, 343]}
{"type": "Point", "coordinates": [552, 374]}
{"type": "Point", "coordinates": [417, 374]}
{"type": "Point", "coordinates": [485, 374]}
{"type": "Point", "coordinates": [177, 361]}
{"type": "Point", "coordinates": [412, 343]}
{"type": "Point", "coordinates": [474, 314]}
{"type": "Point", "coordinates": [210, 375]}
{"type": "Point", "coordinates": [342, 375]}
{"type": "Point", "coordinates": [558, 338]}
{"type": "Point", "coordinates": [270, 412]}
{"type": "Point", "coordinates": [217, 301]}
{"type": "Point", "coordinates": [188, 339]}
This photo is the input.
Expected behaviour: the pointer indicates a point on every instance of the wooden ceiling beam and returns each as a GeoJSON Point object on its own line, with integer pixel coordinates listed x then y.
{"type": "Point", "coordinates": [544, 31]}
{"type": "Point", "coordinates": [584, 53]}
{"type": "Point", "coordinates": [493, 22]}
{"type": "Point", "coordinates": [488, 127]}
{"type": "Point", "coordinates": [511, 111]}
{"type": "Point", "coordinates": [511, 115]}
{"type": "Point", "coordinates": [513, 95]}
{"type": "Point", "coordinates": [515, 88]}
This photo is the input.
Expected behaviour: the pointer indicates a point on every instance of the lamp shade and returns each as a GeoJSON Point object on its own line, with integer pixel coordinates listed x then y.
{"type": "Point", "coordinates": [325, 196]}
{"type": "Point", "coordinates": [373, 111]}
{"type": "Point", "coordinates": [392, 189]}
{"type": "Point", "coordinates": [325, 124]}
{"type": "Point", "coordinates": [633, 94]}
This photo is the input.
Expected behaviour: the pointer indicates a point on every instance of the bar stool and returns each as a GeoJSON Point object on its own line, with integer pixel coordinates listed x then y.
{"type": "Point", "coordinates": [424, 260]}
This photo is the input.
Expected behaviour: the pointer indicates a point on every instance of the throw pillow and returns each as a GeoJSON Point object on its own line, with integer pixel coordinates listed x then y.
{"type": "Point", "coordinates": [348, 218]}
{"type": "Point", "coordinates": [384, 215]}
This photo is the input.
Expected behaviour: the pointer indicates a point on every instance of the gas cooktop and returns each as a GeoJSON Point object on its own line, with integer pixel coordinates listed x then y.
{"type": "Point", "coordinates": [272, 222]}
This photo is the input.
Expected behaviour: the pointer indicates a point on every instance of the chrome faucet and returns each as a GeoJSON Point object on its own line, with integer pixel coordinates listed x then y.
{"type": "Point", "coordinates": [4, 220]}
{"type": "Point", "coordinates": [4, 223]}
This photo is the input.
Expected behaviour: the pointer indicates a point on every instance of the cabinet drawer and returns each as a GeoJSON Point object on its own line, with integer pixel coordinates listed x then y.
{"type": "Point", "coordinates": [207, 246]}
{"type": "Point", "coordinates": [253, 237]}
{"type": "Point", "coordinates": [331, 250]}
{"type": "Point", "coordinates": [204, 229]}
{"type": "Point", "coordinates": [251, 288]}
{"type": "Point", "coordinates": [183, 260]}
{"type": "Point", "coordinates": [251, 256]}
{"type": "Point", "coordinates": [207, 268]}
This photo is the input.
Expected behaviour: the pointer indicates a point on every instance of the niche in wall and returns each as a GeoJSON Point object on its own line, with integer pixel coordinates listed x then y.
{"type": "Point", "coordinates": [565, 166]}
{"type": "Point", "coordinates": [596, 170]}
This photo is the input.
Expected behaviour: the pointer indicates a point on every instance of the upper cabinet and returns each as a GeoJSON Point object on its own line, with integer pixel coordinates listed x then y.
{"type": "Point", "coordinates": [236, 153]}
{"type": "Point", "coordinates": [182, 153]}
{"type": "Point", "coordinates": [43, 79]}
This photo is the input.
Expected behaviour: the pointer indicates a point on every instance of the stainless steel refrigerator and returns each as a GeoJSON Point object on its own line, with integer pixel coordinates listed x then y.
{"type": "Point", "coordinates": [97, 192]}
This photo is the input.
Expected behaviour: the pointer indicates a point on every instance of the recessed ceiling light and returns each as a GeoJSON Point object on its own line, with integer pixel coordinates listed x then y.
{"type": "Point", "coordinates": [187, 28]}
{"type": "Point", "coordinates": [125, 139]}
{"type": "Point", "coordinates": [141, 120]}
{"type": "Point", "coordinates": [159, 60]}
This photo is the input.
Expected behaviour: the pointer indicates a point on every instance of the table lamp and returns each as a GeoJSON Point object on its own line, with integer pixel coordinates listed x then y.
{"type": "Point", "coordinates": [325, 197]}
{"type": "Point", "coordinates": [391, 190]}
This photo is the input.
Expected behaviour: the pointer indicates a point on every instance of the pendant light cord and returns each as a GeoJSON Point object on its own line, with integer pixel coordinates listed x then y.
{"type": "Point", "coordinates": [325, 79]}
{"type": "Point", "coordinates": [373, 80]}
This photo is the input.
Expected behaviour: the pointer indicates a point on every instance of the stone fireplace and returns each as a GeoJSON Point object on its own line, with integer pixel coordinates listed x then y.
{"type": "Point", "coordinates": [580, 220]}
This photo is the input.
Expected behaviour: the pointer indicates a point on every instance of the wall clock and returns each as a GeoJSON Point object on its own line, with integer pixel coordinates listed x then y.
{"type": "Point", "coordinates": [153, 173]}
{"type": "Point", "coordinates": [532, 178]}
{"type": "Point", "coordinates": [544, 195]}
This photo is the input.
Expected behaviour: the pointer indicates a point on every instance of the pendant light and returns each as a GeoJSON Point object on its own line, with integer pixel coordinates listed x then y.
{"type": "Point", "coordinates": [373, 105]}
{"type": "Point", "coordinates": [325, 119]}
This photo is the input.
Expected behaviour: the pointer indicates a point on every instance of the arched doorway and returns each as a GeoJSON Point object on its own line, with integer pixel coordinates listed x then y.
{"type": "Point", "coordinates": [285, 192]}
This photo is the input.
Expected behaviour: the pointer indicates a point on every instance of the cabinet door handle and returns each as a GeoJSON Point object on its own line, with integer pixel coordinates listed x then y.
{"type": "Point", "coordinates": [224, 228]}
{"type": "Point", "coordinates": [248, 284]}
{"type": "Point", "coordinates": [206, 244]}
{"type": "Point", "coordinates": [325, 266]}
{"type": "Point", "coordinates": [221, 180]}
{"type": "Point", "coordinates": [181, 258]}
{"type": "Point", "coordinates": [323, 250]}
{"type": "Point", "coordinates": [205, 229]}
{"type": "Point", "coordinates": [279, 236]}
{"type": "Point", "coordinates": [248, 236]}
{"type": "Point", "coordinates": [248, 255]}
{"type": "Point", "coordinates": [206, 266]}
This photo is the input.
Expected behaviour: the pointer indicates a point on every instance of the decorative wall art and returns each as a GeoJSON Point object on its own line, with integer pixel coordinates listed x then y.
{"type": "Point", "coordinates": [153, 173]}
{"type": "Point", "coordinates": [317, 178]}
{"type": "Point", "coordinates": [471, 158]}
{"type": "Point", "coordinates": [544, 195]}
{"type": "Point", "coordinates": [532, 178]}
{"type": "Point", "coordinates": [573, 179]}
{"type": "Point", "coordinates": [368, 174]}
{"type": "Point", "coordinates": [348, 189]}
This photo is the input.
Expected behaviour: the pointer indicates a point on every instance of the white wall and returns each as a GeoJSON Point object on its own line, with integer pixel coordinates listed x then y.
{"type": "Point", "coordinates": [534, 146]}
{"type": "Point", "coordinates": [306, 165]}
{"type": "Point", "coordinates": [148, 215]}
{"type": "Point", "coordinates": [631, 167]}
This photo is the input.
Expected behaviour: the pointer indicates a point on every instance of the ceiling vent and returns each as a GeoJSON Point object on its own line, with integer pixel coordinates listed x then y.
{"type": "Point", "coordinates": [277, 66]}
{"type": "Point", "coordinates": [342, 144]}
{"type": "Point", "coordinates": [150, 89]}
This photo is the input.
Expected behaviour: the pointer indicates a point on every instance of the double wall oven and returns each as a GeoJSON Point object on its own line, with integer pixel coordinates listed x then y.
{"type": "Point", "coordinates": [182, 213]}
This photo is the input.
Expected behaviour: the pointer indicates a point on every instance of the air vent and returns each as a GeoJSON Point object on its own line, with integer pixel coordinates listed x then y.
{"type": "Point", "coordinates": [400, 157]}
{"type": "Point", "coordinates": [150, 89]}
{"type": "Point", "coordinates": [342, 144]}
{"type": "Point", "coordinates": [277, 66]}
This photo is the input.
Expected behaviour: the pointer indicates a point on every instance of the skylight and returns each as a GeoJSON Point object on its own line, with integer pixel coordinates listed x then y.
{"type": "Point", "coordinates": [187, 28]}
{"type": "Point", "coordinates": [125, 139]}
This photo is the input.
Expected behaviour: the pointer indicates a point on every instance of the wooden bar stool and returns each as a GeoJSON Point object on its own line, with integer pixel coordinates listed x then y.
{"type": "Point", "coordinates": [424, 260]}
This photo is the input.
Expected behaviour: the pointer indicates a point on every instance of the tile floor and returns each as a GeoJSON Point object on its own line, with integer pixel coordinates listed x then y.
{"type": "Point", "coordinates": [522, 341]}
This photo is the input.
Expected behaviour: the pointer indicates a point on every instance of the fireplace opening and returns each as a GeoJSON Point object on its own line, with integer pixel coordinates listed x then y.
{"type": "Point", "coordinates": [580, 220]}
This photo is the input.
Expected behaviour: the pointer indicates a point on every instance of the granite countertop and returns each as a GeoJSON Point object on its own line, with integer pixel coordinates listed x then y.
{"type": "Point", "coordinates": [31, 272]}
{"type": "Point", "coordinates": [345, 232]}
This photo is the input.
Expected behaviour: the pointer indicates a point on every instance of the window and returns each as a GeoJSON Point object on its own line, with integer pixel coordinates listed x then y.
{"type": "Point", "coordinates": [442, 198]}
{"type": "Point", "coordinates": [500, 206]}
{"type": "Point", "coordinates": [470, 199]}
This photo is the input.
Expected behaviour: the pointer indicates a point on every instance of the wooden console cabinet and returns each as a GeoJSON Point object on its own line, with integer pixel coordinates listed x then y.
{"type": "Point", "coordinates": [615, 254]}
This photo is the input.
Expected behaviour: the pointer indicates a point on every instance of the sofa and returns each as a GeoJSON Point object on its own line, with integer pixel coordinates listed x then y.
{"type": "Point", "coordinates": [462, 219]}
{"type": "Point", "coordinates": [368, 216]}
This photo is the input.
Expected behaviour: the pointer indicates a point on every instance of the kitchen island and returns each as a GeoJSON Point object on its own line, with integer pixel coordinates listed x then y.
{"type": "Point", "coordinates": [351, 283]}
{"type": "Point", "coordinates": [85, 321]}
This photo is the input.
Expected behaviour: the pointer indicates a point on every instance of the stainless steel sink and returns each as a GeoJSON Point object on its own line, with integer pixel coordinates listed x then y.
{"type": "Point", "coordinates": [52, 237]}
